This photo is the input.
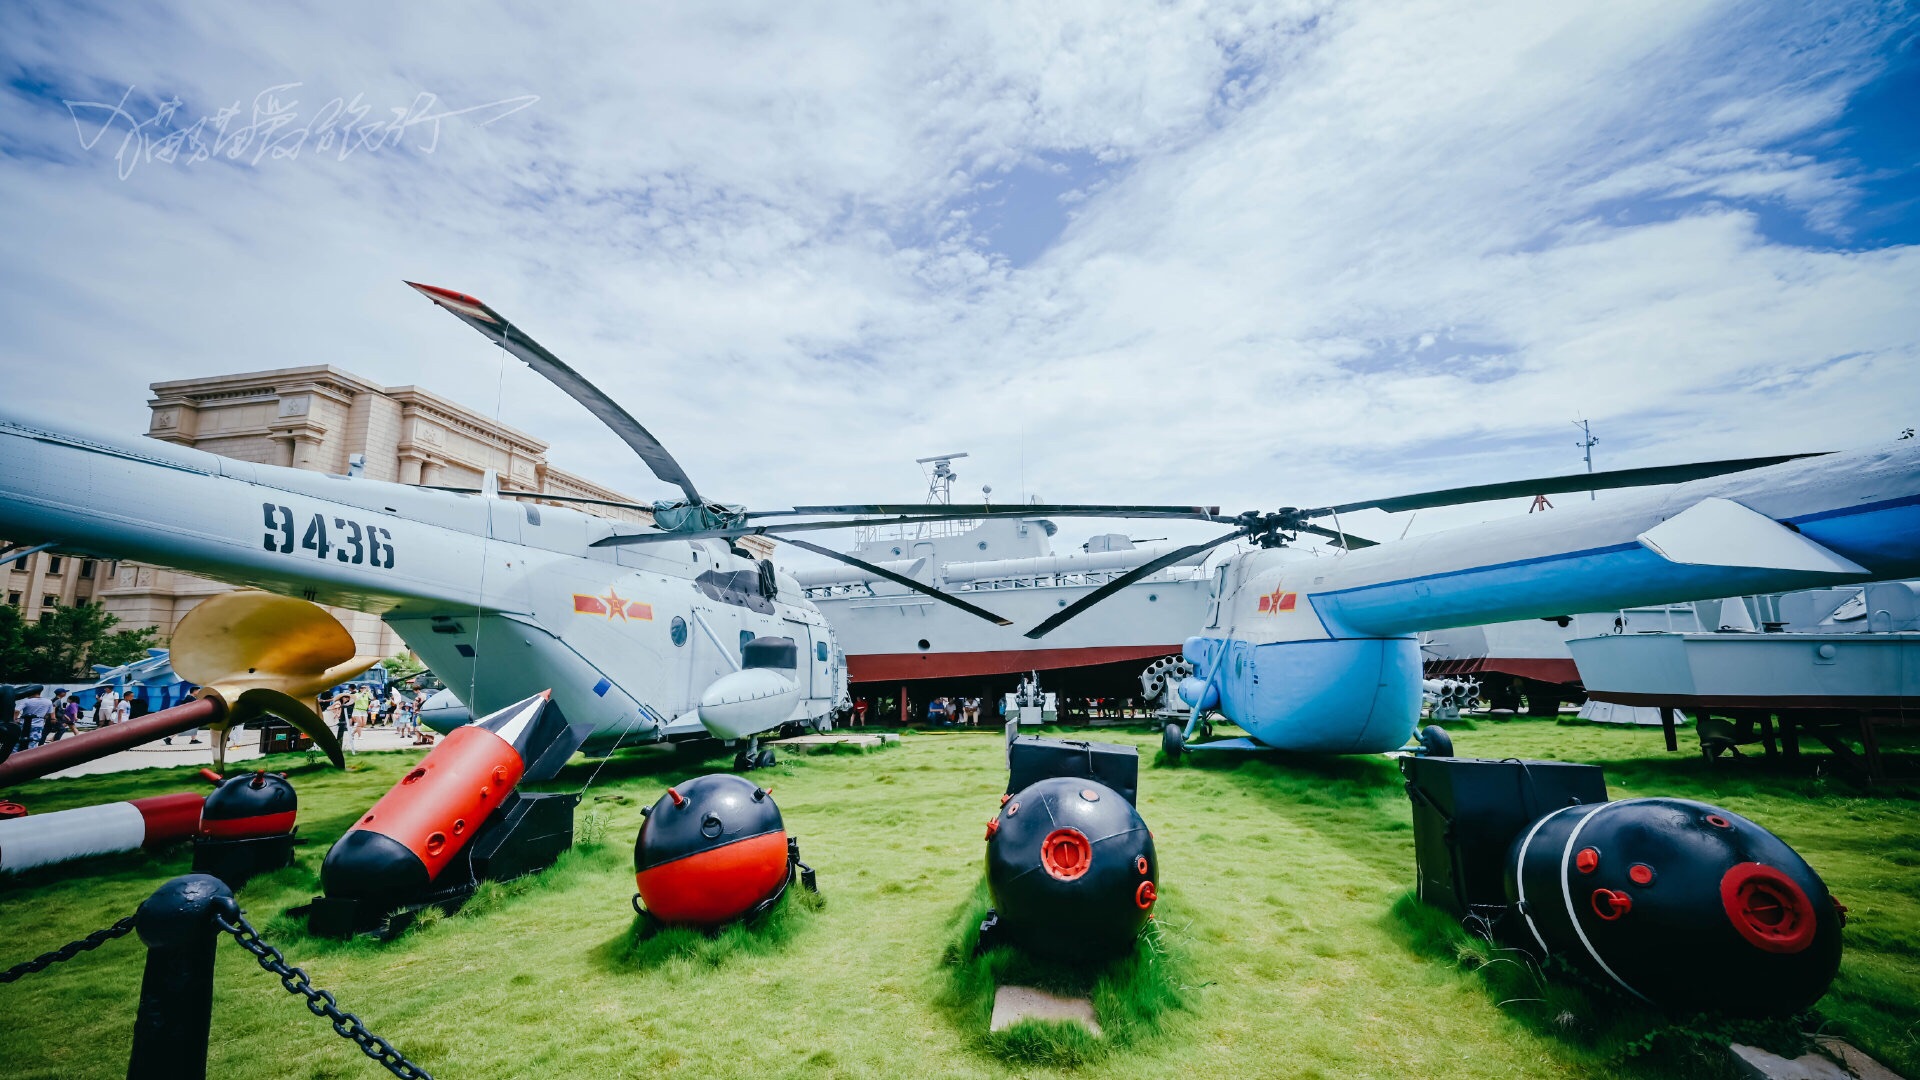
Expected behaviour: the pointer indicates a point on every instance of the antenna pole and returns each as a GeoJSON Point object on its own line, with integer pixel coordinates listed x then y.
{"type": "Point", "coordinates": [1586, 447]}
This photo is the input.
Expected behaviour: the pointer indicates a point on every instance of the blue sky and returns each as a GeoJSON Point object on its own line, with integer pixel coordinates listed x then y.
{"type": "Point", "coordinates": [1241, 253]}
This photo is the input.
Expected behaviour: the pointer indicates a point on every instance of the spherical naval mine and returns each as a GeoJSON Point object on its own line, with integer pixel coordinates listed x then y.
{"type": "Point", "coordinates": [1681, 904]}
{"type": "Point", "coordinates": [712, 850]}
{"type": "Point", "coordinates": [1072, 870]}
{"type": "Point", "coordinates": [249, 805]}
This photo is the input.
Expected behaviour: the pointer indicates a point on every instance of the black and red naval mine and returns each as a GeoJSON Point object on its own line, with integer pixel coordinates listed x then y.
{"type": "Point", "coordinates": [1072, 870]}
{"type": "Point", "coordinates": [247, 806]}
{"type": "Point", "coordinates": [246, 826]}
{"type": "Point", "coordinates": [712, 850]}
{"type": "Point", "coordinates": [1678, 903]}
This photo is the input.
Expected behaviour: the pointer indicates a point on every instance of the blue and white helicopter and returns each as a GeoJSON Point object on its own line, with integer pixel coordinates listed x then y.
{"type": "Point", "coordinates": [1319, 655]}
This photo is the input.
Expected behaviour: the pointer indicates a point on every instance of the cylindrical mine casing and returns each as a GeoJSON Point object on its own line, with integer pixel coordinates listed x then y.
{"type": "Point", "coordinates": [402, 844]}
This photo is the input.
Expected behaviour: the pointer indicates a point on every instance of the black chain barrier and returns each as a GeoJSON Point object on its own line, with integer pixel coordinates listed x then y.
{"type": "Point", "coordinates": [319, 1002]}
{"type": "Point", "coordinates": [68, 951]}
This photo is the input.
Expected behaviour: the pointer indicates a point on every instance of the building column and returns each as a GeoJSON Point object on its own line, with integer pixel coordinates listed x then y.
{"type": "Point", "coordinates": [412, 464]}
{"type": "Point", "coordinates": [431, 471]}
{"type": "Point", "coordinates": [305, 448]}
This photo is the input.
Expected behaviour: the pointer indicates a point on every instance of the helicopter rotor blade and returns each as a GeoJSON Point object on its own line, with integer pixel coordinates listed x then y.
{"type": "Point", "coordinates": [778, 527]}
{"type": "Point", "coordinates": [1345, 539]}
{"type": "Point", "coordinates": [497, 329]}
{"type": "Point", "coordinates": [1555, 485]}
{"type": "Point", "coordinates": [1155, 566]}
{"type": "Point", "coordinates": [542, 496]}
{"type": "Point", "coordinates": [940, 511]}
{"type": "Point", "coordinates": [898, 579]}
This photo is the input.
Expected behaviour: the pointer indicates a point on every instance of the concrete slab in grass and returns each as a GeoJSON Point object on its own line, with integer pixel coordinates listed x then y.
{"type": "Point", "coordinates": [1012, 1004]}
{"type": "Point", "coordinates": [1841, 1061]}
{"type": "Point", "coordinates": [837, 738]}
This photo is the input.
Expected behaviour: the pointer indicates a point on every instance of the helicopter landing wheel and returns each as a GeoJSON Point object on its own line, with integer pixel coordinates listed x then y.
{"type": "Point", "coordinates": [1173, 740]}
{"type": "Point", "coordinates": [1206, 729]}
{"type": "Point", "coordinates": [747, 760]}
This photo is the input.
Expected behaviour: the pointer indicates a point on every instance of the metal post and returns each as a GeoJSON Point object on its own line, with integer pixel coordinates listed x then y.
{"type": "Point", "coordinates": [52, 757]}
{"type": "Point", "coordinates": [1666, 725]}
{"type": "Point", "coordinates": [1586, 446]}
{"type": "Point", "coordinates": [176, 993]}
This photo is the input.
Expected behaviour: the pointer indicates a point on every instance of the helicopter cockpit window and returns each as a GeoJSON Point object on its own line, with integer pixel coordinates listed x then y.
{"type": "Point", "coordinates": [820, 651]}
{"type": "Point", "coordinates": [746, 636]}
{"type": "Point", "coordinates": [678, 630]}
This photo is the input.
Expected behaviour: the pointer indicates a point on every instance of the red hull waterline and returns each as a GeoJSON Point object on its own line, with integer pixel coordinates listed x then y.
{"type": "Point", "coordinates": [907, 667]}
{"type": "Point", "coordinates": [1540, 669]}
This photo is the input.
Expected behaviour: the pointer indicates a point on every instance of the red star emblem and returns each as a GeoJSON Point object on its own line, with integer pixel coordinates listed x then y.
{"type": "Point", "coordinates": [615, 605]}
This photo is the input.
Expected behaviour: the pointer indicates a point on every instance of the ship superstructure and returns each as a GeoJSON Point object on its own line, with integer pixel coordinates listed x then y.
{"type": "Point", "coordinates": [893, 636]}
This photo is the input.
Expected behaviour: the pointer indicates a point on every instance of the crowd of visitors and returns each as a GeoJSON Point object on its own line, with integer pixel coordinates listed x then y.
{"type": "Point", "coordinates": [362, 705]}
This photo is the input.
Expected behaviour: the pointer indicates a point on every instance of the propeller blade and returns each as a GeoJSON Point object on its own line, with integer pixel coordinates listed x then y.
{"type": "Point", "coordinates": [509, 337]}
{"type": "Point", "coordinates": [1554, 485]}
{"type": "Point", "coordinates": [900, 579]}
{"type": "Point", "coordinates": [265, 701]}
{"type": "Point", "coordinates": [1178, 555]}
{"type": "Point", "coordinates": [1345, 539]}
{"type": "Point", "coordinates": [261, 653]}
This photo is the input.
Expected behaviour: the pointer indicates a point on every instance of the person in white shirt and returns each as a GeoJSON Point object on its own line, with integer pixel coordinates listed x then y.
{"type": "Point", "coordinates": [103, 704]}
{"type": "Point", "coordinates": [123, 708]}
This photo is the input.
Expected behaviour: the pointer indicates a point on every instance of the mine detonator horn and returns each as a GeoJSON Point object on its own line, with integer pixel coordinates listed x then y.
{"type": "Point", "coordinates": [266, 655]}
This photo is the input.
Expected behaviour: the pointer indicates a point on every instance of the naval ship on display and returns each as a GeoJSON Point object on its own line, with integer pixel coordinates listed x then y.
{"type": "Point", "coordinates": [895, 638]}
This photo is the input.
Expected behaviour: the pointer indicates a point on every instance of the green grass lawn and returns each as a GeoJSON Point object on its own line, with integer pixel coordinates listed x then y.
{"type": "Point", "coordinates": [1280, 880]}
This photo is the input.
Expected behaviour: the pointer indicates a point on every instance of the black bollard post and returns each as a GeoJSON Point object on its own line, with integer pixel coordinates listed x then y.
{"type": "Point", "coordinates": [176, 993]}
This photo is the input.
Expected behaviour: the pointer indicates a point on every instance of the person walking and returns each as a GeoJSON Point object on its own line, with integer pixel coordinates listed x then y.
{"type": "Point", "coordinates": [123, 708]}
{"type": "Point", "coordinates": [337, 712]}
{"type": "Point", "coordinates": [362, 707]}
{"type": "Point", "coordinates": [56, 718]}
{"type": "Point", "coordinates": [33, 713]}
{"type": "Point", "coordinates": [68, 714]}
{"type": "Point", "coordinates": [103, 706]}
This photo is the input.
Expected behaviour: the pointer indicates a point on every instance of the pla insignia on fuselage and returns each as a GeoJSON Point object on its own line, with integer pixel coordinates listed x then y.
{"type": "Point", "coordinates": [1277, 601]}
{"type": "Point", "coordinates": [612, 605]}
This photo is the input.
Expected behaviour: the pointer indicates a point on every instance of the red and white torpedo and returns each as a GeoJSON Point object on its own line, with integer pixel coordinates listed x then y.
{"type": "Point", "coordinates": [712, 850]}
{"type": "Point", "coordinates": [396, 851]}
{"type": "Point", "coordinates": [106, 829]}
{"type": "Point", "coordinates": [242, 807]}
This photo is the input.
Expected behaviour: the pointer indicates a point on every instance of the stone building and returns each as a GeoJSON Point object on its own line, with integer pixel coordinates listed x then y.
{"type": "Point", "coordinates": [319, 418]}
{"type": "Point", "coordinates": [40, 582]}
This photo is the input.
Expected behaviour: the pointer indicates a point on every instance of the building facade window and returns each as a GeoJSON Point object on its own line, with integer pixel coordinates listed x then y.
{"type": "Point", "coordinates": [86, 569]}
{"type": "Point", "coordinates": [50, 600]}
{"type": "Point", "coordinates": [53, 564]}
{"type": "Point", "coordinates": [13, 598]}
